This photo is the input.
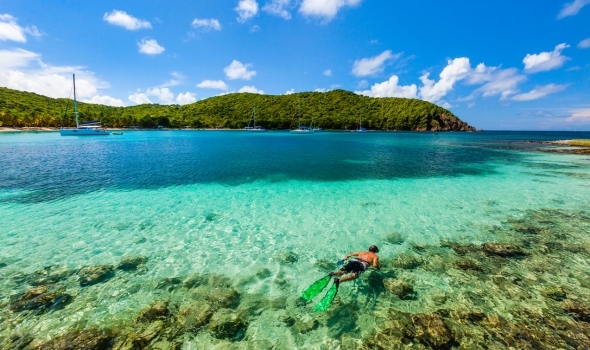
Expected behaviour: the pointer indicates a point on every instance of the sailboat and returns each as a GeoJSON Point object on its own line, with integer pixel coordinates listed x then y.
{"type": "Point", "coordinates": [360, 127]}
{"type": "Point", "coordinates": [90, 128]}
{"type": "Point", "coordinates": [301, 129]}
{"type": "Point", "coordinates": [254, 128]}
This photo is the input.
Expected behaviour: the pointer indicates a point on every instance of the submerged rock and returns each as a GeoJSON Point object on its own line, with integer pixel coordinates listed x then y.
{"type": "Point", "coordinates": [168, 283]}
{"type": "Point", "coordinates": [468, 264]}
{"type": "Point", "coordinates": [286, 257]}
{"type": "Point", "coordinates": [3, 264]}
{"type": "Point", "coordinates": [461, 249]}
{"type": "Point", "coordinates": [555, 293]}
{"type": "Point", "coordinates": [394, 238]}
{"type": "Point", "coordinates": [194, 316]}
{"type": "Point", "coordinates": [224, 298]}
{"type": "Point", "coordinates": [304, 326]}
{"type": "Point", "coordinates": [132, 262]}
{"type": "Point", "coordinates": [502, 249]}
{"type": "Point", "coordinates": [155, 311]}
{"type": "Point", "coordinates": [87, 339]}
{"type": "Point", "coordinates": [40, 298]}
{"type": "Point", "coordinates": [400, 288]}
{"type": "Point", "coordinates": [95, 274]}
{"type": "Point", "coordinates": [407, 261]}
{"type": "Point", "coordinates": [325, 265]}
{"type": "Point", "coordinates": [227, 325]}
{"type": "Point", "coordinates": [49, 275]}
{"type": "Point", "coordinates": [430, 330]}
{"type": "Point", "coordinates": [580, 311]}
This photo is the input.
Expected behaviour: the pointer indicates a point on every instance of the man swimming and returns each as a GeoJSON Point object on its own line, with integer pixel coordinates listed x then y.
{"type": "Point", "coordinates": [358, 265]}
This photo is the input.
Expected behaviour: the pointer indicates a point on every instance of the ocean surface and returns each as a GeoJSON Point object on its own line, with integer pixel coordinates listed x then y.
{"type": "Point", "coordinates": [270, 213]}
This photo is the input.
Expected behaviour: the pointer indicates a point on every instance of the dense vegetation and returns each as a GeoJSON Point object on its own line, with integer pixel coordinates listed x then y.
{"type": "Point", "coordinates": [337, 109]}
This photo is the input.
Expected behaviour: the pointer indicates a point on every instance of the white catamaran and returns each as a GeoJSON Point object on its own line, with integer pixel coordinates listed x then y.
{"type": "Point", "coordinates": [301, 129]}
{"type": "Point", "coordinates": [254, 128]}
{"type": "Point", "coordinates": [90, 128]}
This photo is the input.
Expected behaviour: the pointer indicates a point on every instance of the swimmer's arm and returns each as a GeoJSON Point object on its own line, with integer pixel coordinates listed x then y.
{"type": "Point", "coordinates": [376, 263]}
{"type": "Point", "coordinates": [351, 254]}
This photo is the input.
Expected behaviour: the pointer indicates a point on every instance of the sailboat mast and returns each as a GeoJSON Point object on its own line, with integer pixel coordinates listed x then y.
{"type": "Point", "coordinates": [254, 116]}
{"type": "Point", "coordinates": [75, 104]}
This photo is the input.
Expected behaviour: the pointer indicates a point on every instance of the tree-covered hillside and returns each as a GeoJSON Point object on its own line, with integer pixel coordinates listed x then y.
{"type": "Point", "coordinates": [336, 109]}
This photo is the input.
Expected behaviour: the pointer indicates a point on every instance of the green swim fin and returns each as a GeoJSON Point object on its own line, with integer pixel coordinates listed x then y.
{"type": "Point", "coordinates": [326, 301]}
{"type": "Point", "coordinates": [316, 288]}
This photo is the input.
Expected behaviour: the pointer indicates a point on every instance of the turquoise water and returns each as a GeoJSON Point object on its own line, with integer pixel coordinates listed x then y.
{"type": "Point", "coordinates": [272, 212]}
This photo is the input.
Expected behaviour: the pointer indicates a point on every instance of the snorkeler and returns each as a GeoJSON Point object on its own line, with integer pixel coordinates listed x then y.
{"type": "Point", "coordinates": [361, 262]}
{"type": "Point", "coordinates": [358, 265]}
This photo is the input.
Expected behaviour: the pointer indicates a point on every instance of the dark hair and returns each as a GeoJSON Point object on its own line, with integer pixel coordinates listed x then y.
{"type": "Point", "coordinates": [374, 249]}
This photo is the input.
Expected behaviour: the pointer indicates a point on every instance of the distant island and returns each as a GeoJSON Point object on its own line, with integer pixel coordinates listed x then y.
{"type": "Point", "coordinates": [333, 110]}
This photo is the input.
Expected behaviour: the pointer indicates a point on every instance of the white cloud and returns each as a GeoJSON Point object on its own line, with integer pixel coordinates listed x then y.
{"type": "Point", "coordinates": [539, 92]}
{"type": "Point", "coordinates": [328, 72]}
{"type": "Point", "coordinates": [186, 98]}
{"type": "Point", "coordinates": [326, 9]}
{"type": "Point", "coordinates": [545, 61]}
{"type": "Point", "coordinates": [246, 9]}
{"type": "Point", "coordinates": [572, 8]}
{"type": "Point", "coordinates": [206, 24]}
{"type": "Point", "coordinates": [251, 89]}
{"type": "Point", "coordinates": [122, 19]}
{"type": "Point", "coordinates": [163, 94]}
{"type": "Point", "coordinates": [278, 8]}
{"type": "Point", "coordinates": [290, 92]}
{"type": "Point", "coordinates": [237, 70]}
{"type": "Point", "coordinates": [372, 65]}
{"type": "Point", "coordinates": [320, 90]}
{"type": "Point", "coordinates": [390, 88]}
{"type": "Point", "coordinates": [584, 44]}
{"type": "Point", "coordinates": [177, 79]}
{"type": "Point", "coordinates": [105, 100]}
{"type": "Point", "coordinates": [455, 70]}
{"type": "Point", "coordinates": [213, 84]}
{"type": "Point", "coordinates": [503, 82]}
{"type": "Point", "coordinates": [139, 98]}
{"type": "Point", "coordinates": [10, 30]}
{"type": "Point", "coordinates": [579, 116]}
{"type": "Point", "coordinates": [23, 70]}
{"type": "Point", "coordinates": [150, 47]}
{"type": "Point", "coordinates": [16, 58]}
{"type": "Point", "coordinates": [254, 29]}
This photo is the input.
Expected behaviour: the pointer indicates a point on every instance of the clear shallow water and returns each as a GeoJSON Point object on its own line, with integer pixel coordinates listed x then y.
{"type": "Point", "coordinates": [244, 205]}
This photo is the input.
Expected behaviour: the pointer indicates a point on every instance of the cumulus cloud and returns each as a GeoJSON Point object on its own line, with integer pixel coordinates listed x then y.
{"type": "Point", "coordinates": [455, 70]}
{"type": "Point", "coordinates": [105, 100]}
{"type": "Point", "coordinates": [24, 70]}
{"type": "Point", "coordinates": [584, 44]}
{"type": "Point", "coordinates": [572, 8]}
{"type": "Point", "coordinates": [163, 94]}
{"type": "Point", "coordinates": [328, 72]}
{"type": "Point", "coordinates": [150, 47]}
{"type": "Point", "coordinates": [176, 79]}
{"type": "Point", "coordinates": [496, 81]}
{"type": "Point", "coordinates": [372, 65]}
{"type": "Point", "coordinates": [278, 8]}
{"type": "Point", "coordinates": [251, 89]}
{"type": "Point", "coordinates": [246, 9]}
{"type": "Point", "coordinates": [539, 92]}
{"type": "Point", "coordinates": [213, 84]}
{"type": "Point", "coordinates": [11, 31]}
{"type": "Point", "coordinates": [290, 92]}
{"type": "Point", "coordinates": [186, 98]}
{"type": "Point", "coordinates": [206, 24]}
{"type": "Point", "coordinates": [237, 70]}
{"type": "Point", "coordinates": [391, 88]}
{"type": "Point", "coordinates": [325, 9]}
{"type": "Point", "coordinates": [139, 98]}
{"type": "Point", "coordinates": [545, 61]}
{"type": "Point", "coordinates": [125, 20]}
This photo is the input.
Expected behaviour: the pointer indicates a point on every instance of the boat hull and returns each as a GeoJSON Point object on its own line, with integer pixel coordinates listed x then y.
{"type": "Point", "coordinates": [83, 132]}
{"type": "Point", "coordinates": [302, 132]}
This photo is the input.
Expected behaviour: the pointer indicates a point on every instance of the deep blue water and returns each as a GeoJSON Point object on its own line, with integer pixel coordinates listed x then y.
{"type": "Point", "coordinates": [48, 166]}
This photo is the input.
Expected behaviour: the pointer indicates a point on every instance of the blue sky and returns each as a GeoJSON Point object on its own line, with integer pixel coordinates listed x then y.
{"type": "Point", "coordinates": [497, 65]}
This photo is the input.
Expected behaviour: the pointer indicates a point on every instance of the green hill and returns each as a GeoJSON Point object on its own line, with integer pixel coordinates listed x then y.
{"type": "Point", "coordinates": [336, 109]}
